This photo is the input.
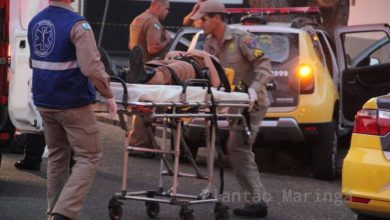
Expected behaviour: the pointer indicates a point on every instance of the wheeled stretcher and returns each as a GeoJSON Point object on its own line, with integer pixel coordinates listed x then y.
{"type": "Point", "coordinates": [172, 107]}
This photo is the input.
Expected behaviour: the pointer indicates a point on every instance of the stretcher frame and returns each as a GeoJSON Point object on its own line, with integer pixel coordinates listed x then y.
{"type": "Point", "coordinates": [170, 115]}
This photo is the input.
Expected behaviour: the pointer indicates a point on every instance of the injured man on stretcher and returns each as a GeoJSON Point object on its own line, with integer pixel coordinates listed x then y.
{"type": "Point", "coordinates": [176, 68]}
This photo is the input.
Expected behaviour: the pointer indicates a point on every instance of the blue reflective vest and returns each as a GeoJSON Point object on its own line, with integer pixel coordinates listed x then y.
{"type": "Point", "coordinates": [58, 82]}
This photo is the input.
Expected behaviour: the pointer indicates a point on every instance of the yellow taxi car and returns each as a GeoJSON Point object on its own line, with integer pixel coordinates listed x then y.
{"type": "Point", "coordinates": [364, 62]}
{"type": "Point", "coordinates": [366, 169]}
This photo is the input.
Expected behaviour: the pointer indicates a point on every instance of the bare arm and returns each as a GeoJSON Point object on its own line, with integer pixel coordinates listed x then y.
{"type": "Point", "coordinates": [187, 21]}
{"type": "Point", "coordinates": [157, 38]}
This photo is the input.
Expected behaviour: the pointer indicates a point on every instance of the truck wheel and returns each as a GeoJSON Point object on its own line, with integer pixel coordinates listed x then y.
{"type": "Point", "coordinates": [324, 153]}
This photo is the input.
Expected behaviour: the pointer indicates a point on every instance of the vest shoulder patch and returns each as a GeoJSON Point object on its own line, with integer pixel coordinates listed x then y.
{"type": "Point", "coordinates": [86, 26]}
{"type": "Point", "coordinates": [157, 26]}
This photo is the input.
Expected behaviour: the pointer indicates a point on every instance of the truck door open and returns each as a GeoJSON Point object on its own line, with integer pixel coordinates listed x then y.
{"type": "Point", "coordinates": [21, 108]}
{"type": "Point", "coordinates": [364, 65]}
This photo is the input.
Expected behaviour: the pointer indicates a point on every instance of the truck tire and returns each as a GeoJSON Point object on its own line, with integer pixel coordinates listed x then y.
{"type": "Point", "coordinates": [324, 152]}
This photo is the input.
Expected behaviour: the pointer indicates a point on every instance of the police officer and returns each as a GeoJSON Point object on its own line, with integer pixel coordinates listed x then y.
{"type": "Point", "coordinates": [66, 67]}
{"type": "Point", "coordinates": [147, 31]}
{"type": "Point", "coordinates": [238, 50]}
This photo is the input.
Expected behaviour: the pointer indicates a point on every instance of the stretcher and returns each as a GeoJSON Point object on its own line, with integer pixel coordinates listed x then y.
{"type": "Point", "coordinates": [170, 107]}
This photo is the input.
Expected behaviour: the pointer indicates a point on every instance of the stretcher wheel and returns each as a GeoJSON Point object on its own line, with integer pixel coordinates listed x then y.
{"type": "Point", "coordinates": [115, 209]}
{"type": "Point", "coordinates": [152, 209]}
{"type": "Point", "coordinates": [186, 213]}
{"type": "Point", "coordinates": [221, 211]}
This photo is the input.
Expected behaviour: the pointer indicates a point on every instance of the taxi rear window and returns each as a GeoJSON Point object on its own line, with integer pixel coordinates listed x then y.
{"type": "Point", "coordinates": [279, 47]}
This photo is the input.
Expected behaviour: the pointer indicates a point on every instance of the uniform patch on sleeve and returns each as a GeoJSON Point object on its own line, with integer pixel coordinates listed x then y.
{"type": "Point", "coordinates": [86, 26]}
{"type": "Point", "coordinates": [157, 26]}
{"type": "Point", "coordinates": [258, 53]}
{"type": "Point", "coordinates": [250, 43]}
{"type": "Point", "coordinates": [232, 47]}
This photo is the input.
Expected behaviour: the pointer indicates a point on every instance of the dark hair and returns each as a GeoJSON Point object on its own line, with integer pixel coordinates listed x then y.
{"type": "Point", "coordinates": [213, 14]}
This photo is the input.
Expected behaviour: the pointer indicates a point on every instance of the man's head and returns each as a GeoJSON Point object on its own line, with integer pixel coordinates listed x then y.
{"type": "Point", "coordinates": [160, 8]}
{"type": "Point", "coordinates": [212, 14]}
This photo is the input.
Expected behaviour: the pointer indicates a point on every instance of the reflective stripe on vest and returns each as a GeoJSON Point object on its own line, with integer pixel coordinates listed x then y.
{"type": "Point", "coordinates": [54, 65]}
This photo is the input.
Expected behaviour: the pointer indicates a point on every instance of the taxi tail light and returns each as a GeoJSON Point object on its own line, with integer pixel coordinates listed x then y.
{"type": "Point", "coordinates": [357, 199]}
{"type": "Point", "coordinates": [371, 121]}
{"type": "Point", "coordinates": [306, 79]}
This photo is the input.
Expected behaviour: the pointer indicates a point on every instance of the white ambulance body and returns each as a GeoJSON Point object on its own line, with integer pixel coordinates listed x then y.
{"type": "Point", "coordinates": [21, 108]}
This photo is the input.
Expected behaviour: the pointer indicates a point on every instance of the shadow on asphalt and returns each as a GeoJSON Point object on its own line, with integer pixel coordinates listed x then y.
{"type": "Point", "coordinates": [291, 160]}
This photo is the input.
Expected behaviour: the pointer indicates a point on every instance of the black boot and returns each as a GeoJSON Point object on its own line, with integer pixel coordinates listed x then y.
{"type": "Point", "coordinates": [109, 66]}
{"type": "Point", "coordinates": [136, 72]}
{"type": "Point", "coordinates": [28, 165]}
{"type": "Point", "coordinates": [258, 209]}
{"type": "Point", "coordinates": [57, 216]}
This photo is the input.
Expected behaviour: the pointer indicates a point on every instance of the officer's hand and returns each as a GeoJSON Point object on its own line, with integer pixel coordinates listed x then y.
{"type": "Point", "coordinates": [111, 104]}
{"type": "Point", "coordinates": [252, 98]}
{"type": "Point", "coordinates": [196, 7]}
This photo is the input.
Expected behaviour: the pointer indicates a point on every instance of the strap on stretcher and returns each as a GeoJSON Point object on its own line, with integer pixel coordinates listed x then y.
{"type": "Point", "coordinates": [125, 97]}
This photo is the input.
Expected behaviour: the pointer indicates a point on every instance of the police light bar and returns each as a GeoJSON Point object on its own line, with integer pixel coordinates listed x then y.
{"type": "Point", "coordinates": [274, 11]}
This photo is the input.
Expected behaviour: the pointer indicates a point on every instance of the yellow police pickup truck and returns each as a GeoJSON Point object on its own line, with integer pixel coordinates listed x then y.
{"type": "Point", "coordinates": [305, 92]}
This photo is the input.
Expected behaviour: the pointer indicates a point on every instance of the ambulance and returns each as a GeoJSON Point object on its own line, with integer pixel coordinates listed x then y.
{"type": "Point", "coordinates": [16, 106]}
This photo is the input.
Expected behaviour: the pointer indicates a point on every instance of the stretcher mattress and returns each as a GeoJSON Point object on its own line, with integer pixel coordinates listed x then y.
{"type": "Point", "coordinates": [172, 93]}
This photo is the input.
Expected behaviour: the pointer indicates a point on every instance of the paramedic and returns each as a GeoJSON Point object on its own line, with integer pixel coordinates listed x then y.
{"type": "Point", "coordinates": [147, 31]}
{"type": "Point", "coordinates": [66, 67]}
{"type": "Point", "coordinates": [238, 50]}
{"type": "Point", "coordinates": [176, 67]}
{"type": "Point", "coordinates": [187, 21]}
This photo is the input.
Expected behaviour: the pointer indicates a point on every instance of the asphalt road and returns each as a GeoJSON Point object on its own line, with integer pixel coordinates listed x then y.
{"type": "Point", "coordinates": [291, 193]}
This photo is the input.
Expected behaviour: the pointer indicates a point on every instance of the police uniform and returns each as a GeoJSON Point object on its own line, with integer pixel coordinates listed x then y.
{"type": "Point", "coordinates": [66, 67]}
{"type": "Point", "coordinates": [240, 52]}
{"type": "Point", "coordinates": [146, 29]}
